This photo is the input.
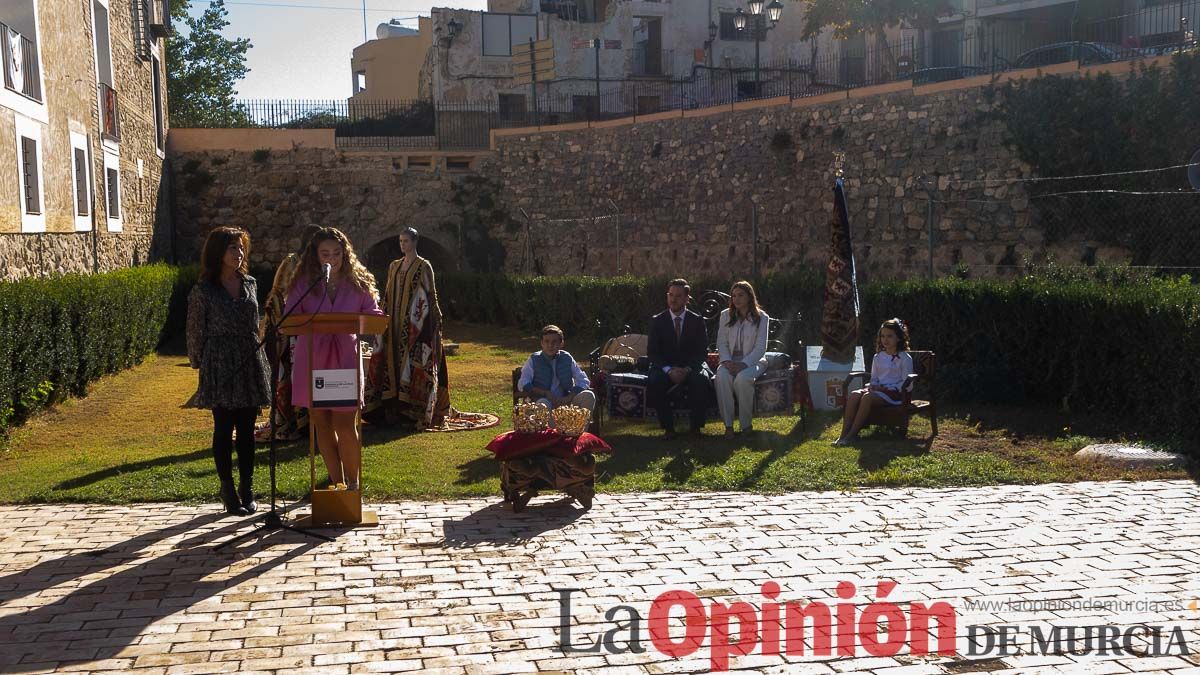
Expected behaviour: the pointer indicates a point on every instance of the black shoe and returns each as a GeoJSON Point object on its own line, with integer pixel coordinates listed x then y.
{"type": "Point", "coordinates": [230, 498]}
{"type": "Point", "coordinates": [246, 492]}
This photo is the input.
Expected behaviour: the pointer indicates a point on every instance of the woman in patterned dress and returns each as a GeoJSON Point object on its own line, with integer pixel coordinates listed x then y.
{"type": "Point", "coordinates": [222, 340]}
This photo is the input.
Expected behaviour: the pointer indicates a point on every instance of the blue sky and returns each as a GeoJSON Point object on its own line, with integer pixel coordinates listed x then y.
{"type": "Point", "coordinates": [302, 47]}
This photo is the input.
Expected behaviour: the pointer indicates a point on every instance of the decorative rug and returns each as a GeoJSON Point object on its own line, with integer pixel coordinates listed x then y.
{"type": "Point", "coordinates": [467, 421]}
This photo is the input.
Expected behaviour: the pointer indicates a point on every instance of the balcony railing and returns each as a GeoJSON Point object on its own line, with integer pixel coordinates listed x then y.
{"type": "Point", "coordinates": [651, 62]}
{"type": "Point", "coordinates": [110, 113]}
{"type": "Point", "coordinates": [20, 64]}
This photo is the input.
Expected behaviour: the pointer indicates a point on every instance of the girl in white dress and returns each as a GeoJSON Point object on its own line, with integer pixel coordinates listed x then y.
{"type": "Point", "coordinates": [889, 369]}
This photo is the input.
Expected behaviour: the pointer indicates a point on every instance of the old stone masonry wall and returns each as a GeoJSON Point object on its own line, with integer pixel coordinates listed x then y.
{"type": "Point", "coordinates": [369, 196]}
{"type": "Point", "coordinates": [662, 197]}
{"type": "Point", "coordinates": [686, 189]}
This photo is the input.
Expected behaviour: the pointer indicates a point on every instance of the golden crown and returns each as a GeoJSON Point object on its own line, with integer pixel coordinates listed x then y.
{"type": "Point", "coordinates": [530, 417]}
{"type": "Point", "coordinates": [571, 420]}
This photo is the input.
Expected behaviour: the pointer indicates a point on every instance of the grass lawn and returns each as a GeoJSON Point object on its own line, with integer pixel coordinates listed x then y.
{"type": "Point", "coordinates": [131, 441]}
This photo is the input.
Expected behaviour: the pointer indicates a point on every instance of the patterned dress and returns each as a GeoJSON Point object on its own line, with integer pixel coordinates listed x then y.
{"type": "Point", "coordinates": [222, 340]}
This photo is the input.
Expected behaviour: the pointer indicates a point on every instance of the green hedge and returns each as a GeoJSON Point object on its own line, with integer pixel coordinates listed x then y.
{"type": "Point", "coordinates": [594, 308]}
{"type": "Point", "coordinates": [60, 333]}
{"type": "Point", "coordinates": [1117, 345]}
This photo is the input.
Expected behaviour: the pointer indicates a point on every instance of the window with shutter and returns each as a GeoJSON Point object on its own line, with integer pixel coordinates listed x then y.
{"type": "Point", "coordinates": [81, 189]}
{"type": "Point", "coordinates": [29, 167]}
{"type": "Point", "coordinates": [114, 192]}
{"type": "Point", "coordinates": [159, 132]}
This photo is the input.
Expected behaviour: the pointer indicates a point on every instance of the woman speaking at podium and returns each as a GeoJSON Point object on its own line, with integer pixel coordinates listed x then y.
{"type": "Point", "coordinates": [342, 284]}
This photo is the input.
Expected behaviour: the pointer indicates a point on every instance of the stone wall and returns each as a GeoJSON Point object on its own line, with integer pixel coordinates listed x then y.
{"type": "Point", "coordinates": [31, 255]}
{"type": "Point", "coordinates": [70, 104]}
{"type": "Point", "coordinates": [370, 196]}
{"type": "Point", "coordinates": [670, 194]}
{"type": "Point", "coordinates": [687, 188]}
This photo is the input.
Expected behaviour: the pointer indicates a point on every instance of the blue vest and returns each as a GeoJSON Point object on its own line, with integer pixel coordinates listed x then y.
{"type": "Point", "coordinates": [544, 370]}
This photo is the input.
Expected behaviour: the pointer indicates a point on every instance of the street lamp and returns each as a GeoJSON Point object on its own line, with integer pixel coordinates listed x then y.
{"type": "Point", "coordinates": [774, 11]}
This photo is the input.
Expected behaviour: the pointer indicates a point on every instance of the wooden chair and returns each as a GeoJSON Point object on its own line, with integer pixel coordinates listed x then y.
{"type": "Point", "coordinates": [518, 396]}
{"type": "Point", "coordinates": [898, 416]}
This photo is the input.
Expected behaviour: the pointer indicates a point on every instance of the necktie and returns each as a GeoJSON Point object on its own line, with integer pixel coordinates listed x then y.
{"type": "Point", "coordinates": [678, 327]}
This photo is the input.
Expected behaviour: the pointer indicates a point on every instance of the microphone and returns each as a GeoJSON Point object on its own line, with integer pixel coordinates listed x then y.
{"type": "Point", "coordinates": [325, 269]}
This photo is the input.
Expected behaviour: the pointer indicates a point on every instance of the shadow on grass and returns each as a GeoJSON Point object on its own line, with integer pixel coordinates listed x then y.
{"type": "Point", "coordinates": [284, 452]}
{"type": "Point", "coordinates": [113, 610]}
{"type": "Point", "coordinates": [878, 451]}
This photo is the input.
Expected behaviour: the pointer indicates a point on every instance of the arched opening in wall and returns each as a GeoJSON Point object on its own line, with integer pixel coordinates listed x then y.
{"type": "Point", "coordinates": [381, 255]}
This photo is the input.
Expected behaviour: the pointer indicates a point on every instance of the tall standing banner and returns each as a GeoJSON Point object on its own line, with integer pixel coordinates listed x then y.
{"type": "Point", "coordinates": [840, 310]}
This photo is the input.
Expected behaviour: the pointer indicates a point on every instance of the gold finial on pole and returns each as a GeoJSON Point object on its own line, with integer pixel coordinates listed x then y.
{"type": "Point", "coordinates": [839, 162]}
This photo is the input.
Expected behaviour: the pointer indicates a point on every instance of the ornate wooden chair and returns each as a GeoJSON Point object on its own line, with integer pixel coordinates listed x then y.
{"type": "Point", "coordinates": [923, 382]}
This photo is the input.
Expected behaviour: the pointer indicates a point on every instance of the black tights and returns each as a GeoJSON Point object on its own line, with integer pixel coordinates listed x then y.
{"type": "Point", "coordinates": [224, 422]}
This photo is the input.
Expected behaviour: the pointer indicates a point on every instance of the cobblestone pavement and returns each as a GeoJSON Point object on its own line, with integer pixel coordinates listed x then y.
{"type": "Point", "coordinates": [469, 587]}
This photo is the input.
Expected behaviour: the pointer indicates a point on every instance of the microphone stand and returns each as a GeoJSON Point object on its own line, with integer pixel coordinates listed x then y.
{"type": "Point", "coordinates": [271, 520]}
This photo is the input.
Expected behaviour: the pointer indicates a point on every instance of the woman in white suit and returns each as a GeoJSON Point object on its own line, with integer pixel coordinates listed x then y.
{"type": "Point", "coordinates": [742, 344]}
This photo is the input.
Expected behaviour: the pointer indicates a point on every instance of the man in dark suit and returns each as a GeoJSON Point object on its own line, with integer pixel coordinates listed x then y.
{"type": "Point", "coordinates": [677, 347]}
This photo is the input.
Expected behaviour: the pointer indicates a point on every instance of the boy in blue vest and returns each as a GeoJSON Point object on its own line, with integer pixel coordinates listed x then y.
{"type": "Point", "coordinates": [552, 378]}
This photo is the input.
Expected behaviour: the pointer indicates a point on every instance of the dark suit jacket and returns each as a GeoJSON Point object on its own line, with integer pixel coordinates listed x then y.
{"type": "Point", "coordinates": [689, 351]}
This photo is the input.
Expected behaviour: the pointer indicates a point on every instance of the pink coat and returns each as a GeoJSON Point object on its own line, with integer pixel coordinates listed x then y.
{"type": "Point", "coordinates": [329, 351]}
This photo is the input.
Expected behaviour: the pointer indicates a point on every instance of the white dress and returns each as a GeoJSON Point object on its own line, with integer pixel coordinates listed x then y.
{"type": "Point", "coordinates": [890, 372]}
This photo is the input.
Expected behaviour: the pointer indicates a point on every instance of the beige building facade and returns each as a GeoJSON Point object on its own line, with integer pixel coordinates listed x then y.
{"type": "Point", "coordinates": [82, 134]}
{"type": "Point", "coordinates": [642, 40]}
{"type": "Point", "coordinates": [388, 68]}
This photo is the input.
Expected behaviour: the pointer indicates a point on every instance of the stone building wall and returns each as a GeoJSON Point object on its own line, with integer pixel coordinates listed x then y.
{"type": "Point", "coordinates": [671, 194]}
{"type": "Point", "coordinates": [70, 104]}
{"type": "Point", "coordinates": [687, 188]}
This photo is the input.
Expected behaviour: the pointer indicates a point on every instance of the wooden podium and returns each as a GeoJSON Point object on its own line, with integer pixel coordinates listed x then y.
{"type": "Point", "coordinates": [334, 507]}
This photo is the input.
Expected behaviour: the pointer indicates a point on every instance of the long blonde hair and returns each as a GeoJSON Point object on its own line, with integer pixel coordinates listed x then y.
{"type": "Point", "coordinates": [352, 270]}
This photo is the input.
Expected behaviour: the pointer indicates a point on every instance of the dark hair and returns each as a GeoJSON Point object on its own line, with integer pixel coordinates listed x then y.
{"type": "Point", "coordinates": [218, 241]}
{"type": "Point", "coordinates": [412, 234]}
{"type": "Point", "coordinates": [755, 310]}
{"type": "Point", "coordinates": [551, 329]}
{"type": "Point", "coordinates": [898, 327]}
{"type": "Point", "coordinates": [306, 236]}
{"type": "Point", "coordinates": [682, 283]}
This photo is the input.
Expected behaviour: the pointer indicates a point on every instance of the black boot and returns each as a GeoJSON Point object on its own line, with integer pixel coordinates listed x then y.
{"type": "Point", "coordinates": [246, 491]}
{"type": "Point", "coordinates": [230, 498]}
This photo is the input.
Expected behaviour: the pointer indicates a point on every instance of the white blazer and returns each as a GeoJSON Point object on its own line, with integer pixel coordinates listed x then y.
{"type": "Point", "coordinates": [750, 337]}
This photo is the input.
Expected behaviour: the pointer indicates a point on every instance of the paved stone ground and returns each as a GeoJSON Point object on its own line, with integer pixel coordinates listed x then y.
{"type": "Point", "coordinates": [469, 587]}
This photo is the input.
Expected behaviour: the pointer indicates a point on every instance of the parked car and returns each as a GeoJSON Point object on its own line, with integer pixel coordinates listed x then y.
{"type": "Point", "coordinates": [1086, 53]}
{"type": "Point", "coordinates": [946, 73]}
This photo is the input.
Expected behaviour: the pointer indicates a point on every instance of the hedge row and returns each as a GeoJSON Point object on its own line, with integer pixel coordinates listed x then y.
{"type": "Point", "coordinates": [58, 334]}
{"type": "Point", "coordinates": [1122, 347]}
{"type": "Point", "coordinates": [594, 309]}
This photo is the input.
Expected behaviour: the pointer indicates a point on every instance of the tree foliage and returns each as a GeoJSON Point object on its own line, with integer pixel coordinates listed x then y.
{"type": "Point", "coordinates": [203, 68]}
{"type": "Point", "coordinates": [853, 17]}
{"type": "Point", "coordinates": [1085, 126]}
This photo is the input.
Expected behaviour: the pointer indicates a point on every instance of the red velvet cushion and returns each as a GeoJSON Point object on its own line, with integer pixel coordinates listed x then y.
{"type": "Point", "coordinates": [511, 445]}
{"type": "Point", "coordinates": [590, 443]}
